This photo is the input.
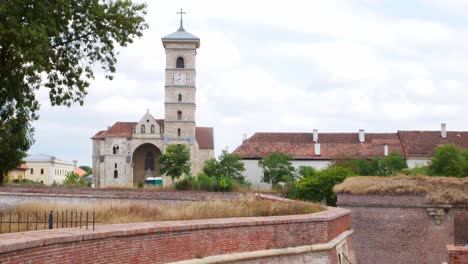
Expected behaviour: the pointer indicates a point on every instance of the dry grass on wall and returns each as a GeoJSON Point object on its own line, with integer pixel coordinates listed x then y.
{"type": "Point", "coordinates": [442, 190]}
{"type": "Point", "coordinates": [112, 214]}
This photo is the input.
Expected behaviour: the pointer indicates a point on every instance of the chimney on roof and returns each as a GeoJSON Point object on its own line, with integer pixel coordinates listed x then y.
{"type": "Point", "coordinates": [317, 149]}
{"type": "Point", "coordinates": [443, 130]}
{"type": "Point", "coordinates": [362, 136]}
{"type": "Point", "coordinates": [385, 150]}
{"type": "Point", "coordinates": [244, 137]}
{"type": "Point", "coordinates": [75, 162]}
{"type": "Point", "coordinates": [315, 137]}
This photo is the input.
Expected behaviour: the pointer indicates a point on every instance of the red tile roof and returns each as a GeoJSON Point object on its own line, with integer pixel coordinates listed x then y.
{"type": "Point", "coordinates": [423, 143]}
{"type": "Point", "coordinates": [22, 167]}
{"type": "Point", "coordinates": [80, 172]}
{"type": "Point", "coordinates": [347, 145]}
{"type": "Point", "coordinates": [203, 135]}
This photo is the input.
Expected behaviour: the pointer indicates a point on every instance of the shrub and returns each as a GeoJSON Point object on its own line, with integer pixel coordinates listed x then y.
{"type": "Point", "coordinates": [277, 167]}
{"type": "Point", "coordinates": [74, 180]}
{"type": "Point", "coordinates": [319, 186]}
{"type": "Point", "coordinates": [205, 183]}
{"type": "Point", "coordinates": [227, 165]}
{"type": "Point", "coordinates": [447, 160]}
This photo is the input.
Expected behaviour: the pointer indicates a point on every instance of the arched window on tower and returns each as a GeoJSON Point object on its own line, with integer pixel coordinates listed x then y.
{"type": "Point", "coordinates": [149, 161]}
{"type": "Point", "coordinates": [179, 98]}
{"type": "Point", "coordinates": [143, 129]}
{"type": "Point", "coordinates": [178, 132]}
{"type": "Point", "coordinates": [180, 63]}
{"type": "Point", "coordinates": [152, 129]}
{"type": "Point", "coordinates": [179, 115]}
{"type": "Point", "coordinates": [115, 150]}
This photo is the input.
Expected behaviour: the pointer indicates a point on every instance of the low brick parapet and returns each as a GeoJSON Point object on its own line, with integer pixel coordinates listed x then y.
{"type": "Point", "coordinates": [160, 242]}
{"type": "Point", "coordinates": [457, 254]}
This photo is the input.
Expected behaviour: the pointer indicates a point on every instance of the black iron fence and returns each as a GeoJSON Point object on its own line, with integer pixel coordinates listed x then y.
{"type": "Point", "coordinates": [29, 221]}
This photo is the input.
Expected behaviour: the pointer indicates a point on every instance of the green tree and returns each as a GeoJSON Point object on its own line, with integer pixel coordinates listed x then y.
{"type": "Point", "coordinates": [74, 180]}
{"type": "Point", "coordinates": [176, 161]}
{"type": "Point", "coordinates": [319, 186]}
{"type": "Point", "coordinates": [465, 157]}
{"type": "Point", "coordinates": [228, 165]}
{"type": "Point", "coordinates": [447, 160]}
{"type": "Point", "coordinates": [396, 162]}
{"type": "Point", "coordinates": [306, 171]}
{"type": "Point", "coordinates": [277, 167]}
{"type": "Point", "coordinates": [54, 44]}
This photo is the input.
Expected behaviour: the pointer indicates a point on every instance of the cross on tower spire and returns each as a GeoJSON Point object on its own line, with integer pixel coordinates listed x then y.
{"type": "Point", "coordinates": [181, 12]}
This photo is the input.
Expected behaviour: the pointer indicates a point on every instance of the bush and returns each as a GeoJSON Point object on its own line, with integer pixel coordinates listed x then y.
{"type": "Point", "coordinates": [448, 160]}
{"type": "Point", "coordinates": [386, 166]}
{"type": "Point", "coordinates": [228, 165]}
{"type": "Point", "coordinates": [277, 167]}
{"type": "Point", "coordinates": [74, 180]}
{"type": "Point", "coordinates": [319, 186]}
{"type": "Point", "coordinates": [416, 171]}
{"type": "Point", "coordinates": [210, 184]}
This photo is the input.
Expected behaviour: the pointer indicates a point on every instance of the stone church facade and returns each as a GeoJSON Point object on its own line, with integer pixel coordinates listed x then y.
{"type": "Point", "coordinates": [128, 152]}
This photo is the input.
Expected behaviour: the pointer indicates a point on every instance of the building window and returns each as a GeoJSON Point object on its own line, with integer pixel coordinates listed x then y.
{"type": "Point", "coordinates": [115, 150]}
{"type": "Point", "coordinates": [32, 171]}
{"type": "Point", "coordinates": [179, 98]}
{"type": "Point", "coordinates": [115, 165]}
{"type": "Point", "coordinates": [152, 129]}
{"type": "Point", "coordinates": [116, 174]}
{"type": "Point", "coordinates": [178, 132]}
{"type": "Point", "coordinates": [179, 115]}
{"type": "Point", "coordinates": [42, 171]}
{"type": "Point", "coordinates": [149, 161]}
{"type": "Point", "coordinates": [142, 129]}
{"type": "Point", "coordinates": [161, 130]}
{"type": "Point", "coordinates": [180, 63]}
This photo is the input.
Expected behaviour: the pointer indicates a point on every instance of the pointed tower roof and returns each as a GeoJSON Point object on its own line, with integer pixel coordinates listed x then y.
{"type": "Point", "coordinates": [181, 35]}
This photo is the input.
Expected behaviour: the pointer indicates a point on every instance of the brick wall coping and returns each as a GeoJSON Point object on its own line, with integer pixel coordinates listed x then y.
{"type": "Point", "coordinates": [24, 240]}
{"type": "Point", "coordinates": [227, 258]}
{"type": "Point", "coordinates": [401, 200]}
{"type": "Point", "coordinates": [98, 196]}
{"type": "Point", "coordinates": [457, 250]}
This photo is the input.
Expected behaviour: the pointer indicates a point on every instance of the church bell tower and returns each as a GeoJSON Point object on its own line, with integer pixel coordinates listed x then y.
{"type": "Point", "coordinates": [181, 50]}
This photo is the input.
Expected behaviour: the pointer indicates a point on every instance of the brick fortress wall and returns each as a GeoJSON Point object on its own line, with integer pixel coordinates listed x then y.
{"type": "Point", "coordinates": [403, 228]}
{"type": "Point", "coordinates": [162, 242]}
{"type": "Point", "coordinates": [457, 255]}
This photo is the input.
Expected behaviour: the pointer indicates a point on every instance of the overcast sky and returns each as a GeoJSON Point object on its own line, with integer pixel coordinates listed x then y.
{"type": "Point", "coordinates": [286, 66]}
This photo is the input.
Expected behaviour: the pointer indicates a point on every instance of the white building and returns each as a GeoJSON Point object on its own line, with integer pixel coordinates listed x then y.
{"type": "Point", "coordinates": [47, 169]}
{"type": "Point", "coordinates": [318, 150]}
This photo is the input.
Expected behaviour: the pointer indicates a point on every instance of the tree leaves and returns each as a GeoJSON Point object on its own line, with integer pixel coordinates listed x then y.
{"type": "Point", "coordinates": [55, 45]}
{"type": "Point", "coordinates": [176, 161]}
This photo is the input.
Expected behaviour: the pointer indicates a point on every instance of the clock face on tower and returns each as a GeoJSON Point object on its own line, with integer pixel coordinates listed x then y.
{"type": "Point", "coordinates": [179, 78]}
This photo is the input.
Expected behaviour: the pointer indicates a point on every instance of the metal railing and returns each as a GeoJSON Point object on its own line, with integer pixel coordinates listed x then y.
{"type": "Point", "coordinates": [29, 221]}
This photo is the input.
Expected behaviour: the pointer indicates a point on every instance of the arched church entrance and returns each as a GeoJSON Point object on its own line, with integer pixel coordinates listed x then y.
{"type": "Point", "coordinates": [145, 162]}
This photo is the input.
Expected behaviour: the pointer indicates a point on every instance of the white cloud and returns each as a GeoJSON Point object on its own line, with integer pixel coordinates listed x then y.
{"type": "Point", "coordinates": [283, 66]}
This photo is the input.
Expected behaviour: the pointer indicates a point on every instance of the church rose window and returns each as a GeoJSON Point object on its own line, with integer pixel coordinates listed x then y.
{"type": "Point", "coordinates": [142, 129]}
{"type": "Point", "coordinates": [180, 63]}
{"type": "Point", "coordinates": [152, 129]}
{"type": "Point", "coordinates": [149, 161]}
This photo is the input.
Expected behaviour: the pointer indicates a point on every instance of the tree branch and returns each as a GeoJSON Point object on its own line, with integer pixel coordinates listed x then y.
{"type": "Point", "coordinates": [72, 40]}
